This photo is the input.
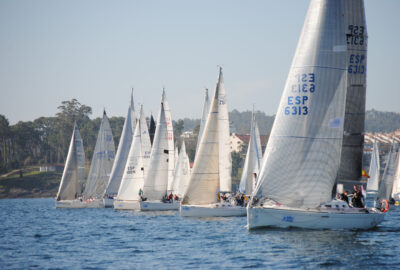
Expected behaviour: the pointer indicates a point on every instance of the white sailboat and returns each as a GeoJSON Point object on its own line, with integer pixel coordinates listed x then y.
{"type": "Point", "coordinates": [121, 157]}
{"type": "Point", "coordinates": [100, 168]}
{"type": "Point", "coordinates": [304, 151]}
{"type": "Point", "coordinates": [69, 194]}
{"type": "Point", "coordinates": [374, 169]}
{"type": "Point", "coordinates": [253, 159]}
{"type": "Point", "coordinates": [136, 168]}
{"type": "Point", "coordinates": [212, 167]}
{"type": "Point", "coordinates": [206, 110]}
{"type": "Point", "coordinates": [182, 173]}
{"type": "Point", "coordinates": [158, 177]}
{"type": "Point", "coordinates": [395, 195]}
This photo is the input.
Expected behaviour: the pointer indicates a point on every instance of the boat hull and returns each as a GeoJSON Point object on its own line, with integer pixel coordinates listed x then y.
{"type": "Point", "coordinates": [70, 204]}
{"type": "Point", "coordinates": [97, 203]}
{"type": "Point", "coordinates": [212, 210]}
{"type": "Point", "coordinates": [126, 205]}
{"type": "Point", "coordinates": [159, 206]}
{"type": "Point", "coordinates": [258, 217]}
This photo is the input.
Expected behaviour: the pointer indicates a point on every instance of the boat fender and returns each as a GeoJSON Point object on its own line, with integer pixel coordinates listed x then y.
{"type": "Point", "coordinates": [384, 205]}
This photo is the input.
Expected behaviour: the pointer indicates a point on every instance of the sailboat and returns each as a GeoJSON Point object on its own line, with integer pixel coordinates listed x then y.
{"type": "Point", "coordinates": [395, 195]}
{"type": "Point", "coordinates": [253, 159]}
{"type": "Point", "coordinates": [182, 173]}
{"type": "Point", "coordinates": [121, 157]}
{"type": "Point", "coordinates": [206, 110]}
{"type": "Point", "coordinates": [211, 174]}
{"type": "Point", "coordinates": [374, 169]}
{"type": "Point", "coordinates": [136, 168]}
{"type": "Point", "coordinates": [389, 181]}
{"type": "Point", "coordinates": [69, 194]}
{"type": "Point", "coordinates": [162, 155]}
{"type": "Point", "coordinates": [304, 151]}
{"type": "Point", "coordinates": [100, 168]}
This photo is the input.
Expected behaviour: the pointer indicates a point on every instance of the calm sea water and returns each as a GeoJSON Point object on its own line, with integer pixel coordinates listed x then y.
{"type": "Point", "coordinates": [33, 234]}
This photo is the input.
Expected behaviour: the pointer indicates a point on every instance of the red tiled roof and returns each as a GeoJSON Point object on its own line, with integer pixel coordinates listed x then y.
{"type": "Point", "coordinates": [246, 138]}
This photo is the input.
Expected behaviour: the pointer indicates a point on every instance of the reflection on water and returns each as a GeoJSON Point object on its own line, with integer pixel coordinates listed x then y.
{"type": "Point", "coordinates": [35, 234]}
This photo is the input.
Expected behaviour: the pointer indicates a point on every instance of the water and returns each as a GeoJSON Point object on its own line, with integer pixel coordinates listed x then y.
{"type": "Point", "coordinates": [33, 234]}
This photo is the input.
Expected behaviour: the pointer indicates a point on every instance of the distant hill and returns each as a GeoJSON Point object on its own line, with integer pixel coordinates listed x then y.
{"type": "Point", "coordinates": [375, 121]}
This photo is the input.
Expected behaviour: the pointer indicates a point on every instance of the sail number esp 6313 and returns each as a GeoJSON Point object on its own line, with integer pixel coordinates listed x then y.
{"type": "Point", "coordinates": [304, 86]}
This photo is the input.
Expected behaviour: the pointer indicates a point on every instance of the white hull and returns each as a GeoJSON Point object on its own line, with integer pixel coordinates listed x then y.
{"type": "Point", "coordinates": [97, 203]}
{"type": "Point", "coordinates": [108, 202]}
{"type": "Point", "coordinates": [126, 205]}
{"type": "Point", "coordinates": [159, 206]}
{"type": "Point", "coordinates": [258, 217]}
{"type": "Point", "coordinates": [212, 210]}
{"type": "Point", "coordinates": [70, 204]}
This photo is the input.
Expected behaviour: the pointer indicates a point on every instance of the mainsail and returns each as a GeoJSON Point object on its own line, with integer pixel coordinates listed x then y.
{"type": "Point", "coordinates": [124, 145]}
{"type": "Point", "coordinates": [304, 148]}
{"type": "Point", "coordinates": [353, 139]}
{"type": "Point", "coordinates": [137, 164]}
{"type": "Point", "coordinates": [102, 161]}
{"type": "Point", "coordinates": [74, 171]}
{"type": "Point", "coordinates": [206, 110]}
{"type": "Point", "coordinates": [182, 173]}
{"type": "Point", "coordinates": [206, 177]}
{"type": "Point", "coordinates": [374, 169]}
{"type": "Point", "coordinates": [156, 181]}
{"type": "Point", "coordinates": [253, 159]}
{"type": "Point", "coordinates": [389, 174]}
{"type": "Point", "coordinates": [170, 137]}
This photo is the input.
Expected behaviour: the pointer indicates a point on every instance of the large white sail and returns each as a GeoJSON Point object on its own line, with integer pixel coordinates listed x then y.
{"type": "Point", "coordinates": [353, 139]}
{"type": "Point", "coordinates": [204, 179]}
{"type": "Point", "coordinates": [206, 110]}
{"type": "Point", "coordinates": [253, 159]}
{"type": "Point", "coordinates": [156, 181]}
{"type": "Point", "coordinates": [170, 131]}
{"type": "Point", "coordinates": [74, 171]}
{"type": "Point", "coordinates": [124, 145]}
{"type": "Point", "coordinates": [304, 148]}
{"type": "Point", "coordinates": [374, 169]}
{"type": "Point", "coordinates": [102, 161]}
{"type": "Point", "coordinates": [182, 173]}
{"type": "Point", "coordinates": [225, 158]}
{"type": "Point", "coordinates": [137, 164]}
{"type": "Point", "coordinates": [392, 166]}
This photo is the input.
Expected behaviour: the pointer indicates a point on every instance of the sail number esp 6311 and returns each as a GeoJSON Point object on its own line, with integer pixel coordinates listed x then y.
{"type": "Point", "coordinates": [304, 86]}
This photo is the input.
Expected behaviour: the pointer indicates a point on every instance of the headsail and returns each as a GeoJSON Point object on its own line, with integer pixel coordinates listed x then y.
{"type": "Point", "coordinates": [102, 161]}
{"type": "Point", "coordinates": [170, 137]}
{"type": "Point", "coordinates": [124, 145]}
{"type": "Point", "coordinates": [253, 159]}
{"type": "Point", "coordinates": [137, 164]}
{"type": "Point", "coordinates": [303, 151]}
{"type": "Point", "coordinates": [182, 173]}
{"type": "Point", "coordinates": [156, 181]}
{"type": "Point", "coordinates": [206, 110]}
{"type": "Point", "coordinates": [374, 168]}
{"type": "Point", "coordinates": [353, 139]}
{"type": "Point", "coordinates": [74, 171]}
{"type": "Point", "coordinates": [391, 170]}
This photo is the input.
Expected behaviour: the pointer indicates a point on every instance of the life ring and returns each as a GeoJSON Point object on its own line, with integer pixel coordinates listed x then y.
{"type": "Point", "coordinates": [384, 205]}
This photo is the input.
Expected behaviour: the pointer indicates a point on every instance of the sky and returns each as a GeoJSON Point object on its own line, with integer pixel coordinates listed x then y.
{"type": "Point", "coordinates": [96, 51]}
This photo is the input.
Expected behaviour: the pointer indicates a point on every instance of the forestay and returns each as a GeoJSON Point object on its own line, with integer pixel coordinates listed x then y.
{"type": "Point", "coordinates": [374, 169]}
{"type": "Point", "coordinates": [74, 171]}
{"type": "Point", "coordinates": [137, 163]}
{"type": "Point", "coordinates": [353, 139]}
{"type": "Point", "coordinates": [156, 181]}
{"type": "Point", "coordinates": [102, 161]}
{"type": "Point", "coordinates": [124, 145]}
{"type": "Point", "coordinates": [253, 159]}
{"type": "Point", "coordinates": [182, 173]}
{"type": "Point", "coordinates": [303, 151]}
{"type": "Point", "coordinates": [391, 169]}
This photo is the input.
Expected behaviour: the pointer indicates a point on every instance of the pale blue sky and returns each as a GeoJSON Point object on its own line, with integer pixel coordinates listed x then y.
{"type": "Point", "coordinates": [96, 51]}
